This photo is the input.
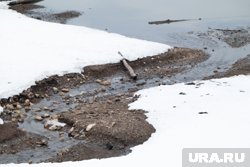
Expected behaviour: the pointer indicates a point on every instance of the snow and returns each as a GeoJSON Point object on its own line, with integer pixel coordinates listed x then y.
{"type": "Point", "coordinates": [32, 49]}
{"type": "Point", "coordinates": [55, 123]}
{"type": "Point", "coordinates": [174, 111]}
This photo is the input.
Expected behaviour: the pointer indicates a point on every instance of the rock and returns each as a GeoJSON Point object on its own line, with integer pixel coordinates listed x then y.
{"type": "Point", "coordinates": [13, 119]}
{"type": "Point", "coordinates": [20, 120]}
{"type": "Point", "coordinates": [45, 115]}
{"type": "Point", "coordinates": [61, 138]}
{"type": "Point", "coordinates": [113, 124]}
{"type": "Point", "coordinates": [182, 93]}
{"type": "Point", "coordinates": [18, 112]}
{"type": "Point", "coordinates": [9, 107]}
{"type": "Point", "coordinates": [46, 109]}
{"type": "Point", "coordinates": [27, 102]}
{"type": "Point", "coordinates": [18, 106]}
{"type": "Point", "coordinates": [38, 118]}
{"type": "Point", "coordinates": [43, 142]}
{"type": "Point", "coordinates": [55, 90]}
{"type": "Point", "coordinates": [190, 83]}
{"type": "Point", "coordinates": [31, 95]}
{"type": "Point", "coordinates": [30, 161]}
{"type": "Point", "coordinates": [71, 130]}
{"type": "Point", "coordinates": [90, 126]}
{"type": "Point", "coordinates": [46, 126]}
{"type": "Point", "coordinates": [103, 82]}
{"type": "Point", "coordinates": [53, 128]}
{"type": "Point", "coordinates": [203, 112]}
{"type": "Point", "coordinates": [54, 116]}
{"type": "Point", "coordinates": [37, 95]}
{"type": "Point", "coordinates": [65, 90]}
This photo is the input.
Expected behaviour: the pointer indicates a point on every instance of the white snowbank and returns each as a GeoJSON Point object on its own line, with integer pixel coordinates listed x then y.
{"type": "Point", "coordinates": [179, 125]}
{"type": "Point", "coordinates": [33, 49]}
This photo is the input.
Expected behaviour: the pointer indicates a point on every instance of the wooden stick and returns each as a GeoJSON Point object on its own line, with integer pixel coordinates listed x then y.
{"type": "Point", "coordinates": [128, 67]}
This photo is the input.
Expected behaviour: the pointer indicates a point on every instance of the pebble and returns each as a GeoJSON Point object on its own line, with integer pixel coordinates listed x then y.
{"type": "Point", "coordinates": [27, 102]}
{"type": "Point", "coordinates": [182, 93]}
{"type": "Point", "coordinates": [46, 126]}
{"type": "Point", "coordinates": [90, 126]}
{"type": "Point", "coordinates": [43, 142]}
{"type": "Point", "coordinates": [46, 115]}
{"type": "Point", "coordinates": [38, 118]}
{"type": "Point", "coordinates": [103, 82]}
{"type": "Point", "coordinates": [71, 130]}
{"type": "Point", "coordinates": [65, 90]}
{"type": "Point", "coordinates": [18, 106]}
{"type": "Point", "coordinates": [55, 89]}
{"type": "Point", "coordinates": [10, 107]}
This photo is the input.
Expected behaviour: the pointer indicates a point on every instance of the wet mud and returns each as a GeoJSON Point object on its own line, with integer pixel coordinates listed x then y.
{"type": "Point", "coordinates": [93, 105]}
{"type": "Point", "coordinates": [29, 10]}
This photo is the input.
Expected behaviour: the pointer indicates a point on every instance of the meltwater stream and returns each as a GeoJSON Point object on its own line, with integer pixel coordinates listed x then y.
{"type": "Point", "coordinates": [131, 18]}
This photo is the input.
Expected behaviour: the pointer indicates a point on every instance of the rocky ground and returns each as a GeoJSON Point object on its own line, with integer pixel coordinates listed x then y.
{"type": "Point", "coordinates": [94, 107]}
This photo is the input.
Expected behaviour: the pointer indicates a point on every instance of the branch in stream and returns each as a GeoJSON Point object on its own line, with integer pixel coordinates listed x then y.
{"type": "Point", "coordinates": [132, 74]}
{"type": "Point", "coordinates": [168, 21]}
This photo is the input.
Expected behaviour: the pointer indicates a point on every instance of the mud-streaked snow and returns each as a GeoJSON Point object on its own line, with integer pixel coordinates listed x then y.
{"type": "Point", "coordinates": [174, 112]}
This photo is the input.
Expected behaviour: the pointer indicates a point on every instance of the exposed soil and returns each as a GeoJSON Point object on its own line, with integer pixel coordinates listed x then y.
{"type": "Point", "coordinates": [235, 38]}
{"type": "Point", "coordinates": [108, 124]}
{"type": "Point", "coordinates": [13, 140]}
{"type": "Point", "coordinates": [241, 67]}
{"type": "Point", "coordinates": [28, 10]}
{"type": "Point", "coordinates": [94, 103]}
{"type": "Point", "coordinates": [94, 106]}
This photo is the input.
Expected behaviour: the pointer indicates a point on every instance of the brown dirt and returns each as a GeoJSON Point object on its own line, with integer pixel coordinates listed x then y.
{"type": "Point", "coordinates": [241, 67]}
{"type": "Point", "coordinates": [29, 10]}
{"type": "Point", "coordinates": [116, 129]}
{"type": "Point", "coordinates": [26, 8]}
{"type": "Point", "coordinates": [13, 140]}
{"type": "Point", "coordinates": [235, 38]}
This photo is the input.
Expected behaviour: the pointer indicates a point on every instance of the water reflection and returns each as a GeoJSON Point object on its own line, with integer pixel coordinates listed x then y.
{"type": "Point", "coordinates": [131, 18]}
